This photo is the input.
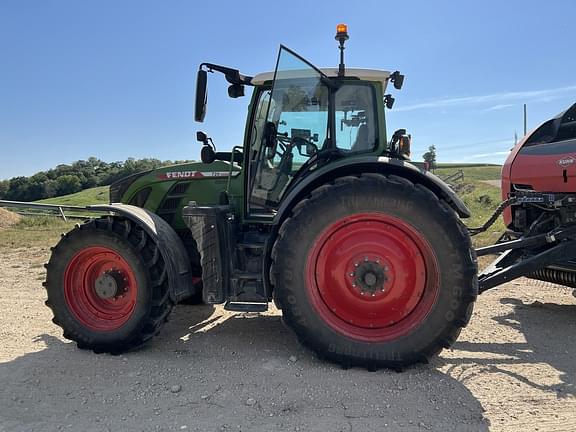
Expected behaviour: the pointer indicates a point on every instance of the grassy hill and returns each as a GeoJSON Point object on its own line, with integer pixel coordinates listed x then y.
{"type": "Point", "coordinates": [481, 198]}
{"type": "Point", "coordinates": [97, 195]}
{"type": "Point", "coordinates": [43, 230]}
{"type": "Point", "coordinates": [471, 173]}
{"type": "Point", "coordinates": [464, 165]}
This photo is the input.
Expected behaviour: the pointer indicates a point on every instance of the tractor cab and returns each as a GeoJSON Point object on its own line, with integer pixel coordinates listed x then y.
{"type": "Point", "coordinates": [301, 118]}
{"type": "Point", "coordinates": [304, 118]}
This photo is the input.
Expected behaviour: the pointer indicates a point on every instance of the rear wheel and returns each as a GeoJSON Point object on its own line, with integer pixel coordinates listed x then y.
{"type": "Point", "coordinates": [374, 271]}
{"type": "Point", "coordinates": [107, 286]}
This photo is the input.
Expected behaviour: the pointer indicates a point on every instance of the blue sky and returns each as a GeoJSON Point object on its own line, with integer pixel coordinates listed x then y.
{"type": "Point", "coordinates": [115, 79]}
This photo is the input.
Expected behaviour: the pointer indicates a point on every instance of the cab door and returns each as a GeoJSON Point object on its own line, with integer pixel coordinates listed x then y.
{"type": "Point", "coordinates": [296, 127]}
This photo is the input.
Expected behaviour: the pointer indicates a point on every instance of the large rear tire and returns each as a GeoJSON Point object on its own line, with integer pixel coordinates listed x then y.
{"type": "Point", "coordinates": [107, 286]}
{"type": "Point", "coordinates": [374, 271]}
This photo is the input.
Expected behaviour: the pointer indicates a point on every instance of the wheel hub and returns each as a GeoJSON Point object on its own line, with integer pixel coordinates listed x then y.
{"type": "Point", "coordinates": [109, 285]}
{"type": "Point", "coordinates": [369, 277]}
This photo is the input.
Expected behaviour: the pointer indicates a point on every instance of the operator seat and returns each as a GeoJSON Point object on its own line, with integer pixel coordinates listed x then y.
{"type": "Point", "coordinates": [361, 142]}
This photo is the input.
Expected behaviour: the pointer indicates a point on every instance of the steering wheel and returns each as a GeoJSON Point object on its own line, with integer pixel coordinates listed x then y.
{"type": "Point", "coordinates": [310, 148]}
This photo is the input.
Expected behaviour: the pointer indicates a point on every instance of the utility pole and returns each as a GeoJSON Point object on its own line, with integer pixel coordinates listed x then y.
{"type": "Point", "coordinates": [525, 131]}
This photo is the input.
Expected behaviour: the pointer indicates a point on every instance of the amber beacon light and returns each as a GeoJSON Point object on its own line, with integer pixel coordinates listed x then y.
{"type": "Point", "coordinates": [341, 37]}
{"type": "Point", "coordinates": [341, 32]}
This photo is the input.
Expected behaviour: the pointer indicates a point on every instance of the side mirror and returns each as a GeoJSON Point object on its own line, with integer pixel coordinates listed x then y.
{"type": "Point", "coordinates": [201, 99]}
{"type": "Point", "coordinates": [207, 155]}
{"type": "Point", "coordinates": [401, 143]}
{"type": "Point", "coordinates": [404, 146]}
{"type": "Point", "coordinates": [202, 137]}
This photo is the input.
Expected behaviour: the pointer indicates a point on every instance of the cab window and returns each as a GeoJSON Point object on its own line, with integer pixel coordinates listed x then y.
{"type": "Point", "coordinates": [356, 122]}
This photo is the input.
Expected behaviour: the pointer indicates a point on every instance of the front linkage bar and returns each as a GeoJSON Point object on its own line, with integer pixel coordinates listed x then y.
{"type": "Point", "coordinates": [553, 247]}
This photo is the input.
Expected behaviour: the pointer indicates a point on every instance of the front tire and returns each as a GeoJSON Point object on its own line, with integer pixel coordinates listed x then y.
{"type": "Point", "coordinates": [107, 286]}
{"type": "Point", "coordinates": [374, 271]}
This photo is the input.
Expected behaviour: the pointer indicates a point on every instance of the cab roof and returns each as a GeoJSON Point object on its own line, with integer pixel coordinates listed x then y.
{"type": "Point", "coordinates": [362, 74]}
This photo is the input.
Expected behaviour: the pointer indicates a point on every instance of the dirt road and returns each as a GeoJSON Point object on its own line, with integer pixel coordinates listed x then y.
{"type": "Point", "coordinates": [512, 369]}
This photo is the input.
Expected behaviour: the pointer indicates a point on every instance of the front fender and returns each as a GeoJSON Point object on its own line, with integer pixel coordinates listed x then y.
{"type": "Point", "coordinates": [169, 244]}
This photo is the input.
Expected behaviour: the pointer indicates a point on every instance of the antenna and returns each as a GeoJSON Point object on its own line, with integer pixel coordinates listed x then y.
{"type": "Point", "coordinates": [525, 120]}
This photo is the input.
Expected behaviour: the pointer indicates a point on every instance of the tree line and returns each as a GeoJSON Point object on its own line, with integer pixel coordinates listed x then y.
{"type": "Point", "coordinates": [66, 179]}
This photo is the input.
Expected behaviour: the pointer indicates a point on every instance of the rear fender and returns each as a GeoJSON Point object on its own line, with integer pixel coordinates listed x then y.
{"type": "Point", "coordinates": [169, 244]}
{"type": "Point", "coordinates": [371, 164]}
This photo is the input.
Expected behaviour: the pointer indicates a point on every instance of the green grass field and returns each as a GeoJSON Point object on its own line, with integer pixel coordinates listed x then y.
{"type": "Point", "coordinates": [465, 165]}
{"type": "Point", "coordinates": [481, 198]}
{"type": "Point", "coordinates": [472, 173]}
{"type": "Point", "coordinates": [34, 231]}
{"type": "Point", "coordinates": [97, 195]}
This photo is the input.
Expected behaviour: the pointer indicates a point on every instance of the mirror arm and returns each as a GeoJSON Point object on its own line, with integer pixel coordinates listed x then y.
{"type": "Point", "coordinates": [211, 143]}
{"type": "Point", "coordinates": [233, 76]}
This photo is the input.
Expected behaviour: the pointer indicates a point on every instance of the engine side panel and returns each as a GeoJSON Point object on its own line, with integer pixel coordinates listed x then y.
{"type": "Point", "coordinates": [167, 190]}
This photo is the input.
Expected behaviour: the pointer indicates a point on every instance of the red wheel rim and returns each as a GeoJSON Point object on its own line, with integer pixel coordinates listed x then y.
{"type": "Point", "coordinates": [372, 277]}
{"type": "Point", "coordinates": [87, 270]}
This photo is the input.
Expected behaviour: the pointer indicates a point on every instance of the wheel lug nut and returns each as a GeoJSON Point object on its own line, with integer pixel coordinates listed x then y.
{"type": "Point", "coordinates": [351, 274]}
{"type": "Point", "coordinates": [365, 259]}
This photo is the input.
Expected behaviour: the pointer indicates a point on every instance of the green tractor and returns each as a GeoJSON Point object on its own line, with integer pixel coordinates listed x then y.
{"type": "Point", "coordinates": [363, 251]}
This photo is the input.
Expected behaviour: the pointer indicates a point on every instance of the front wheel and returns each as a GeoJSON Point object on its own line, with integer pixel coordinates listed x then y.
{"type": "Point", "coordinates": [374, 271]}
{"type": "Point", "coordinates": [107, 285]}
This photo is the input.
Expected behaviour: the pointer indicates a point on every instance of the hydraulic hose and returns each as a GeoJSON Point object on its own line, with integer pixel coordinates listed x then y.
{"type": "Point", "coordinates": [501, 207]}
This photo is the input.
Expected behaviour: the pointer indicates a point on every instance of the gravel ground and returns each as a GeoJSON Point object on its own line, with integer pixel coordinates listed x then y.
{"type": "Point", "coordinates": [512, 369]}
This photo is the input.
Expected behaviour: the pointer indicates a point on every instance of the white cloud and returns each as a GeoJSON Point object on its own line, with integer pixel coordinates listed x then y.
{"type": "Point", "coordinates": [507, 142]}
{"type": "Point", "coordinates": [499, 99]}
{"type": "Point", "coordinates": [485, 155]}
{"type": "Point", "coordinates": [499, 107]}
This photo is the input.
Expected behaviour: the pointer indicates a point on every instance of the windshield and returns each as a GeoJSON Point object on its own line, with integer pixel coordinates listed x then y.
{"type": "Point", "coordinates": [301, 111]}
